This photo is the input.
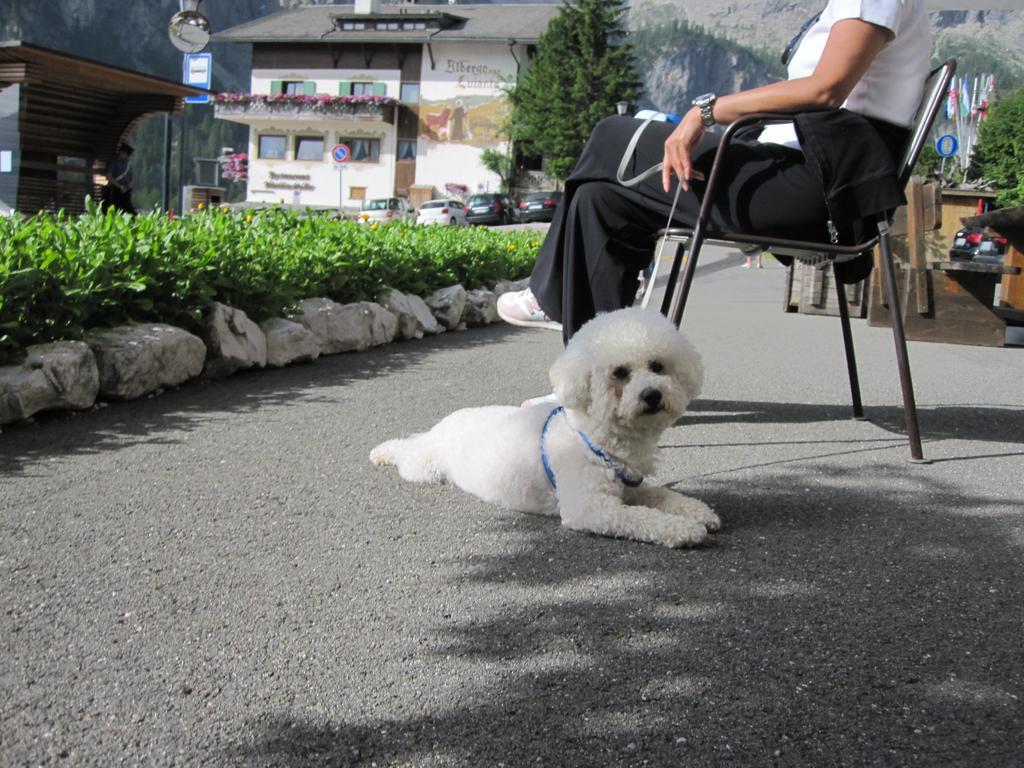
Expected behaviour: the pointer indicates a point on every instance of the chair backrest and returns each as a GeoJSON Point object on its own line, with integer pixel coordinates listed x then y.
{"type": "Point", "coordinates": [936, 90]}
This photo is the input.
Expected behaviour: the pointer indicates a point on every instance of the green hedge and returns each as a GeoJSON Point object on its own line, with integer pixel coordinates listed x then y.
{"type": "Point", "coordinates": [62, 274]}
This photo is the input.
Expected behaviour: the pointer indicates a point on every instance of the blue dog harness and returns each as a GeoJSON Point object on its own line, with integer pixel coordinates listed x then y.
{"type": "Point", "coordinates": [627, 477]}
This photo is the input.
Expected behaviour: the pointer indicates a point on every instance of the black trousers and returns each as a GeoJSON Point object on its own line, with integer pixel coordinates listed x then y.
{"type": "Point", "coordinates": [603, 234]}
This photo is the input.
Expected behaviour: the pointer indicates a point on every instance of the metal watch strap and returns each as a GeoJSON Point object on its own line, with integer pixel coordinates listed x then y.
{"type": "Point", "coordinates": [707, 111]}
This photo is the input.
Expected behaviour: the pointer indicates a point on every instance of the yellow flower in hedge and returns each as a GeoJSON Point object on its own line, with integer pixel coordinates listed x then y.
{"type": "Point", "coordinates": [201, 206]}
{"type": "Point", "coordinates": [373, 226]}
{"type": "Point", "coordinates": [249, 218]}
{"type": "Point", "coordinates": [511, 246]}
{"type": "Point", "coordinates": [224, 209]}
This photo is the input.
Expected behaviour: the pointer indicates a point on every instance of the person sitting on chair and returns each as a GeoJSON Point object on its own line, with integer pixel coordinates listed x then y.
{"type": "Point", "coordinates": [870, 57]}
{"type": "Point", "coordinates": [120, 181]}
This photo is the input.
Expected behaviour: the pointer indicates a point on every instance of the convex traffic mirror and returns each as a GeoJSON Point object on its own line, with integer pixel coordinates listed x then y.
{"type": "Point", "coordinates": [189, 31]}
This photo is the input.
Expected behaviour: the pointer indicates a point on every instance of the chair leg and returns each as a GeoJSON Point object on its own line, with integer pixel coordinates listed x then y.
{"type": "Point", "coordinates": [675, 295]}
{"type": "Point", "coordinates": [851, 359]}
{"type": "Point", "coordinates": [902, 360]}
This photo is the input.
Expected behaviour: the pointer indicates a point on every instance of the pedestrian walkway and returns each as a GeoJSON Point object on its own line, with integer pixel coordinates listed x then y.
{"type": "Point", "coordinates": [218, 576]}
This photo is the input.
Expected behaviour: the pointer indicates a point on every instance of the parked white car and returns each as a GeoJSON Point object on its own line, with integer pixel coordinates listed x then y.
{"type": "Point", "coordinates": [385, 209]}
{"type": "Point", "coordinates": [448, 211]}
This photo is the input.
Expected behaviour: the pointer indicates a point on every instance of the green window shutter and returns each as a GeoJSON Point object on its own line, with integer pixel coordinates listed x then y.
{"type": "Point", "coordinates": [309, 88]}
{"type": "Point", "coordinates": [276, 87]}
{"type": "Point", "coordinates": [344, 88]}
{"type": "Point", "coordinates": [380, 89]}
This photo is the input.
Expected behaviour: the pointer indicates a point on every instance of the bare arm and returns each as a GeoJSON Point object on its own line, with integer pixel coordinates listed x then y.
{"type": "Point", "coordinates": [851, 47]}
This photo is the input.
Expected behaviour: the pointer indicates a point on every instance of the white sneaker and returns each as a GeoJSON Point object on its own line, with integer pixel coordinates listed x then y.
{"type": "Point", "coordinates": [521, 308]}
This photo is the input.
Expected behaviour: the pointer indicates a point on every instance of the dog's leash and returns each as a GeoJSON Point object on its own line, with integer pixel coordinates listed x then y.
{"type": "Point", "coordinates": [628, 478]}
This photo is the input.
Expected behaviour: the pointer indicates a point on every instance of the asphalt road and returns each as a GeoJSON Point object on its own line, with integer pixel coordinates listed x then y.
{"type": "Point", "coordinates": [217, 576]}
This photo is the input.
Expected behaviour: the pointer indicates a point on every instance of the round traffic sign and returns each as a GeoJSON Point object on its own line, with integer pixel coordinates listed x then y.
{"type": "Point", "coordinates": [340, 153]}
{"type": "Point", "coordinates": [947, 145]}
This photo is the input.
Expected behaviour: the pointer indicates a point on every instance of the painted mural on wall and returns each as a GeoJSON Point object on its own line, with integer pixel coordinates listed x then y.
{"type": "Point", "coordinates": [475, 120]}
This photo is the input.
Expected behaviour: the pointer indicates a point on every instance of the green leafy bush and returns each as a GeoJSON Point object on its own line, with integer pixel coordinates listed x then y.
{"type": "Point", "coordinates": [999, 154]}
{"type": "Point", "coordinates": [61, 274]}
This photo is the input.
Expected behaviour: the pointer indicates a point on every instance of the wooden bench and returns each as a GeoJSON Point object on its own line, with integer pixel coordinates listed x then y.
{"type": "Point", "coordinates": [943, 300]}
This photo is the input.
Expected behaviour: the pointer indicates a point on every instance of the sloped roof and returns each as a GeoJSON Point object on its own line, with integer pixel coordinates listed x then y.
{"type": "Point", "coordinates": [522, 23]}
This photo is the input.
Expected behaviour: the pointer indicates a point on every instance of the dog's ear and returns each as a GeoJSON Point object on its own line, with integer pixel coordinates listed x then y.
{"type": "Point", "coordinates": [570, 376]}
{"type": "Point", "coordinates": [690, 368]}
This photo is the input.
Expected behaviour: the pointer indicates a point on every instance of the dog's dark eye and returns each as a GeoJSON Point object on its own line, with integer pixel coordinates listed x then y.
{"type": "Point", "coordinates": [656, 366]}
{"type": "Point", "coordinates": [621, 373]}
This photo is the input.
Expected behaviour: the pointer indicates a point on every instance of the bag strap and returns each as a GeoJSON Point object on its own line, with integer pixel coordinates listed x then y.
{"type": "Point", "coordinates": [656, 168]}
{"type": "Point", "coordinates": [628, 155]}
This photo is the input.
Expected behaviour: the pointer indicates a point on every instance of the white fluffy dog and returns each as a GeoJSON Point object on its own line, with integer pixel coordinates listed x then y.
{"type": "Point", "coordinates": [622, 380]}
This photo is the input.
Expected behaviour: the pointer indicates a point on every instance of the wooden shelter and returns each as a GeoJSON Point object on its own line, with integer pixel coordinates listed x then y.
{"type": "Point", "coordinates": [62, 118]}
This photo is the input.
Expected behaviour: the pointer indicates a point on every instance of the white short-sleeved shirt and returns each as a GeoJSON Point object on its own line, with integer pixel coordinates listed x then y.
{"type": "Point", "coordinates": [891, 88]}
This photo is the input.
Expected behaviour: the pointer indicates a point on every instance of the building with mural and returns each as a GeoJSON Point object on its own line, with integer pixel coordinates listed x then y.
{"type": "Point", "coordinates": [414, 92]}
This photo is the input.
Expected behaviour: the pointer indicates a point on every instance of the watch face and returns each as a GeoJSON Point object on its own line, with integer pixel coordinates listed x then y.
{"type": "Point", "coordinates": [704, 98]}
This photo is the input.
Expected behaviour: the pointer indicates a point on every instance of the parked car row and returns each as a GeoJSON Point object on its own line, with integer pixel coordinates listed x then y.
{"type": "Point", "coordinates": [978, 244]}
{"type": "Point", "coordinates": [484, 208]}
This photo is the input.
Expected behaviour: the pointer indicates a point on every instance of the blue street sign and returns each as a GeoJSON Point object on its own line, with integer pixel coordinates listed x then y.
{"type": "Point", "coordinates": [947, 145]}
{"type": "Point", "coordinates": [340, 153]}
{"type": "Point", "coordinates": [197, 71]}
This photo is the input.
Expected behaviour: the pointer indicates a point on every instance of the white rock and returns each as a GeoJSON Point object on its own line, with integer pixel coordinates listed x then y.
{"type": "Point", "coordinates": [136, 359]}
{"type": "Point", "coordinates": [288, 342]}
{"type": "Point", "coordinates": [344, 328]}
{"type": "Point", "coordinates": [506, 286]}
{"type": "Point", "coordinates": [481, 308]}
{"type": "Point", "coordinates": [414, 316]}
{"type": "Point", "coordinates": [61, 375]}
{"type": "Point", "coordinates": [447, 305]}
{"type": "Point", "coordinates": [233, 342]}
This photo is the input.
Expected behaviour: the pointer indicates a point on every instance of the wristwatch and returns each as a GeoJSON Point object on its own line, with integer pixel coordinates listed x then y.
{"type": "Point", "coordinates": [706, 105]}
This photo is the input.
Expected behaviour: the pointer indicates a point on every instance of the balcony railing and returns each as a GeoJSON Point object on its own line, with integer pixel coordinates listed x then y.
{"type": "Point", "coordinates": [257, 105]}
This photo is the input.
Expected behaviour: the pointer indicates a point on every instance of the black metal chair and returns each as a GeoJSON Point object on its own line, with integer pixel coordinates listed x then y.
{"type": "Point", "coordinates": [676, 291]}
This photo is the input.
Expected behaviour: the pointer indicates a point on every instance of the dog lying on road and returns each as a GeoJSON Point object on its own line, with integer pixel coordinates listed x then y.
{"type": "Point", "coordinates": [622, 380]}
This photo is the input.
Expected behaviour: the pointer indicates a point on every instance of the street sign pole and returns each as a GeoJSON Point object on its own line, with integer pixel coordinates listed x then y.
{"type": "Point", "coordinates": [340, 154]}
{"type": "Point", "coordinates": [341, 191]}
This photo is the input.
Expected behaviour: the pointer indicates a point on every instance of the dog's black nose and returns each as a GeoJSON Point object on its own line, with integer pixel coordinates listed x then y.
{"type": "Point", "coordinates": [651, 397]}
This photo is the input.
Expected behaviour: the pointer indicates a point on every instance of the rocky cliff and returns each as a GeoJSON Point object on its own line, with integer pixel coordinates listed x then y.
{"type": "Point", "coordinates": [769, 24]}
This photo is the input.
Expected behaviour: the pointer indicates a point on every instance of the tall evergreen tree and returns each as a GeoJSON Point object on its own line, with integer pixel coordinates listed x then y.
{"type": "Point", "coordinates": [582, 68]}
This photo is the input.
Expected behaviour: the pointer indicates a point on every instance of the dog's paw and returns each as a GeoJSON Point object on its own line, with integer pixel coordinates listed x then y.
{"type": "Point", "coordinates": [695, 509]}
{"type": "Point", "coordinates": [381, 455]}
{"type": "Point", "coordinates": [704, 515]}
{"type": "Point", "coordinates": [680, 532]}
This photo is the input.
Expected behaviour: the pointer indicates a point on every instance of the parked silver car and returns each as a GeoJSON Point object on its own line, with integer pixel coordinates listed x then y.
{"type": "Point", "coordinates": [385, 209]}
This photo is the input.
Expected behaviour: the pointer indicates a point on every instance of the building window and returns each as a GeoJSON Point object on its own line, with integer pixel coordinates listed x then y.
{"type": "Point", "coordinates": [413, 25]}
{"type": "Point", "coordinates": [272, 147]}
{"type": "Point", "coordinates": [309, 148]}
{"type": "Point", "coordinates": [350, 26]}
{"type": "Point", "coordinates": [410, 93]}
{"type": "Point", "coordinates": [407, 149]}
{"type": "Point", "coordinates": [387, 25]}
{"type": "Point", "coordinates": [293, 87]}
{"type": "Point", "coordinates": [363, 150]}
{"type": "Point", "coordinates": [345, 88]}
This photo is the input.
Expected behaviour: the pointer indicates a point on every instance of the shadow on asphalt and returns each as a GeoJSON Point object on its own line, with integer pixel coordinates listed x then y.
{"type": "Point", "coordinates": [982, 423]}
{"type": "Point", "coordinates": [853, 626]}
{"type": "Point", "coordinates": [156, 420]}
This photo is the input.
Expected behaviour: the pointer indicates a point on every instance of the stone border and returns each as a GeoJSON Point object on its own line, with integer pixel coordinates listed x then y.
{"type": "Point", "coordinates": [131, 361]}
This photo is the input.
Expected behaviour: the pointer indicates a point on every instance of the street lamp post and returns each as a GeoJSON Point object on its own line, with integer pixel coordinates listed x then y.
{"type": "Point", "coordinates": [621, 107]}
